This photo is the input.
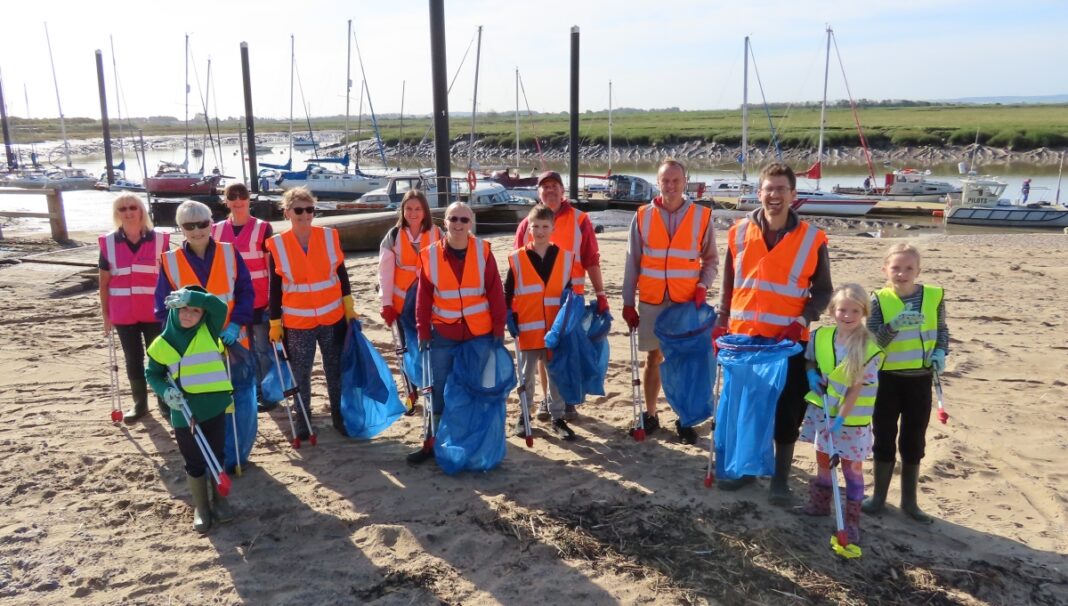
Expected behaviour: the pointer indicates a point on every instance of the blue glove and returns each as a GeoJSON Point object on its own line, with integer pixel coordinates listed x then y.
{"type": "Point", "coordinates": [177, 299]}
{"type": "Point", "coordinates": [424, 345]}
{"type": "Point", "coordinates": [173, 398]}
{"type": "Point", "coordinates": [513, 328]}
{"type": "Point", "coordinates": [815, 381]}
{"type": "Point", "coordinates": [938, 361]}
{"type": "Point", "coordinates": [837, 424]}
{"type": "Point", "coordinates": [230, 333]}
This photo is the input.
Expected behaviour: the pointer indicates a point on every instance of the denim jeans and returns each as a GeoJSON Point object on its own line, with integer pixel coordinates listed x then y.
{"type": "Point", "coordinates": [260, 345]}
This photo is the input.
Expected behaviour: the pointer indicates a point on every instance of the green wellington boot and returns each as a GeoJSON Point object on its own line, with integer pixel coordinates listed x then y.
{"type": "Point", "coordinates": [884, 472]}
{"type": "Point", "coordinates": [910, 477]}
{"type": "Point", "coordinates": [198, 487]}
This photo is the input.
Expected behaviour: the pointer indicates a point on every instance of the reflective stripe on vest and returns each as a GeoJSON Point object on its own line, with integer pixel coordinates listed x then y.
{"type": "Point", "coordinates": [670, 264]}
{"type": "Point", "coordinates": [311, 291]}
{"type": "Point", "coordinates": [771, 288]}
{"type": "Point", "coordinates": [912, 347]}
{"type": "Point", "coordinates": [132, 287]}
{"type": "Point", "coordinates": [249, 244]}
{"type": "Point", "coordinates": [406, 262]}
{"type": "Point", "coordinates": [201, 369]}
{"type": "Point", "coordinates": [463, 298]}
{"type": "Point", "coordinates": [834, 373]}
{"type": "Point", "coordinates": [221, 277]}
{"type": "Point", "coordinates": [537, 303]}
{"type": "Point", "coordinates": [567, 234]}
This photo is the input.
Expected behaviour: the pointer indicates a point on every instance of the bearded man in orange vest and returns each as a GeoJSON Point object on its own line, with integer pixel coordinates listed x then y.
{"type": "Point", "coordinates": [572, 232]}
{"type": "Point", "coordinates": [671, 258]}
{"type": "Point", "coordinates": [776, 281]}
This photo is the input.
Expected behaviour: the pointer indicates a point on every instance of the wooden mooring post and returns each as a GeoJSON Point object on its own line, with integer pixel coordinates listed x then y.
{"type": "Point", "coordinates": [57, 218]}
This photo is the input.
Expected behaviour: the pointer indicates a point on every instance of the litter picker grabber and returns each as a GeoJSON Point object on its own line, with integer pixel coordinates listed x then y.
{"type": "Point", "coordinates": [410, 387]}
{"type": "Point", "coordinates": [943, 416]}
{"type": "Point", "coordinates": [292, 396]}
{"type": "Point", "coordinates": [113, 371]}
{"type": "Point", "coordinates": [428, 403]}
{"type": "Point", "coordinates": [638, 431]}
{"type": "Point", "coordinates": [710, 474]}
{"type": "Point", "coordinates": [232, 411]}
{"type": "Point", "coordinates": [524, 403]}
{"type": "Point", "coordinates": [218, 474]}
{"type": "Point", "coordinates": [840, 540]}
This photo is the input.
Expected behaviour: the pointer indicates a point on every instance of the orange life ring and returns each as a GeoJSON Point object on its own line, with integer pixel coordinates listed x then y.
{"type": "Point", "coordinates": [471, 179]}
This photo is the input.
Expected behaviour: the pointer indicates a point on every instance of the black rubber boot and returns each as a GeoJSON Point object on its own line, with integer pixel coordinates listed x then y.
{"type": "Point", "coordinates": [910, 477]}
{"type": "Point", "coordinates": [884, 472]}
{"type": "Point", "coordinates": [779, 492]}
{"type": "Point", "coordinates": [139, 389]}
{"type": "Point", "coordinates": [734, 484]}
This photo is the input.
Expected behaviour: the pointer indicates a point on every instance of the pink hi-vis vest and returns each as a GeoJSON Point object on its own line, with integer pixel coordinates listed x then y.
{"type": "Point", "coordinates": [250, 244]}
{"type": "Point", "coordinates": [132, 289]}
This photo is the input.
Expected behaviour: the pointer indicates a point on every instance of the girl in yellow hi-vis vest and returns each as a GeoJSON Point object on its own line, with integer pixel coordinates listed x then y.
{"type": "Point", "coordinates": [187, 362]}
{"type": "Point", "coordinates": [843, 375]}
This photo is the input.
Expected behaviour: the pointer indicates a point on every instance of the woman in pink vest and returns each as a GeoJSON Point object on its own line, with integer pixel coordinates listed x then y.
{"type": "Point", "coordinates": [129, 266]}
{"type": "Point", "coordinates": [249, 236]}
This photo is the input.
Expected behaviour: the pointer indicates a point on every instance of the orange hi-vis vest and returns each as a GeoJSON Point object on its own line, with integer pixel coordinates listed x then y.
{"type": "Point", "coordinates": [536, 303]}
{"type": "Point", "coordinates": [311, 291]}
{"type": "Point", "coordinates": [221, 279]}
{"type": "Point", "coordinates": [455, 301]}
{"type": "Point", "coordinates": [406, 260]}
{"type": "Point", "coordinates": [567, 234]}
{"type": "Point", "coordinates": [771, 287]}
{"type": "Point", "coordinates": [671, 266]}
{"type": "Point", "coordinates": [249, 243]}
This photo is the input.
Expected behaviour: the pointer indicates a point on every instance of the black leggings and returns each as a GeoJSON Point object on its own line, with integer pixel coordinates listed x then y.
{"type": "Point", "coordinates": [135, 339]}
{"type": "Point", "coordinates": [790, 410]}
{"type": "Point", "coordinates": [908, 398]}
{"type": "Point", "coordinates": [215, 431]}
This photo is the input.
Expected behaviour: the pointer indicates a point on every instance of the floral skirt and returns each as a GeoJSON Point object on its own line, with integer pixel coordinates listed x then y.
{"type": "Point", "coordinates": [851, 443]}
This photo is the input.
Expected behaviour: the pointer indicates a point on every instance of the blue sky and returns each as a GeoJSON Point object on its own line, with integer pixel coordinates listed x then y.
{"type": "Point", "coordinates": [667, 53]}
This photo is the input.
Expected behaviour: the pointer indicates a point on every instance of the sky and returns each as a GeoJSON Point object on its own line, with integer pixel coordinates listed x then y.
{"type": "Point", "coordinates": [657, 54]}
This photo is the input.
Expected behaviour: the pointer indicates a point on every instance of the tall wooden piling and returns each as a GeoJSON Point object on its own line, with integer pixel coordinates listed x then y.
{"type": "Point", "coordinates": [250, 126]}
{"type": "Point", "coordinates": [442, 161]}
{"type": "Point", "coordinates": [573, 142]}
{"type": "Point", "coordinates": [104, 118]}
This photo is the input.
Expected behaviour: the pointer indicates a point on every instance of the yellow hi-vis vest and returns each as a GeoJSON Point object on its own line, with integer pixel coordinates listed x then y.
{"type": "Point", "coordinates": [201, 369]}
{"type": "Point", "coordinates": [826, 360]}
{"type": "Point", "coordinates": [912, 347]}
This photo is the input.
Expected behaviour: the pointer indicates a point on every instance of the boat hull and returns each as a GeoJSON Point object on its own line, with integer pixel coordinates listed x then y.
{"type": "Point", "coordinates": [181, 186]}
{"type": "Point", "coordinates": [837, 207]}
{"type": "Point", "coordinates": [1007, 216]}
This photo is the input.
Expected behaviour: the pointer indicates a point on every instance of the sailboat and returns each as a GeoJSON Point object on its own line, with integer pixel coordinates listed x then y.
{"type": "Point", "coordinates": [175, 179]}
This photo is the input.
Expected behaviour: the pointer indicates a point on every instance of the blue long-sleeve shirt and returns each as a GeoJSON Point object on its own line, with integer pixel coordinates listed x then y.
{"type": "Point", "coordinates": [243, 293]}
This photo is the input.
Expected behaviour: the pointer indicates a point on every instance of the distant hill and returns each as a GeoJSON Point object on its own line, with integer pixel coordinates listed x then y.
{"type": "Point", "coordinates": [1012, 100]}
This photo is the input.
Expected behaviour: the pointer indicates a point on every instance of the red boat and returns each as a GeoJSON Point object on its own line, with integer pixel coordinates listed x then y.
{"type": "Point", "coordinates": [171, 180]}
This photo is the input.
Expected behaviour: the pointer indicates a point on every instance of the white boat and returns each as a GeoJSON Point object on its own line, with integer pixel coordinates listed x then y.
{"type": "Point", "coordinates": [60, 178]}
{"type": "Point", "coordinates": [815, 202]}
{"type": "Point", "coordinates": [980, 203]}
{"type": "Point", "coordinates": [332, 185]}
{"type": "Point", "coordinates": [905, 185]}
{"type": "Point", "coordinates": [486, 193]}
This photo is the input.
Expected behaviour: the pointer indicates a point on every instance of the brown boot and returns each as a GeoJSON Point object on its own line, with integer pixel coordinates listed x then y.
{"type": "Point", "coordinates": [819, 500]}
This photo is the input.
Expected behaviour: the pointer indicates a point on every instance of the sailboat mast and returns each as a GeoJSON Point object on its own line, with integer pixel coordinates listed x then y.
{"type": "Point", "coordinates": [609, 127]}
{"type": "Point", "coordinates": [359, 124]}
{"type": "Point", "coordinates": [348, 90]}
{"type": "Point", "coordinates": [745, 110]}
{"type": "Point", "coordinates": [33, 148]}
{"type": "Point", "coordinates": [474, 102]}
{"type": "Point", "coordinates": [292, 67]}
{"type": "Point", "coordinates": [401, 136]}
{"type": "Point", "coordinates": [185, 165]}
{"type": "Point", "coordinates": [517, 120]}
{"type": "Point", "coordinates": [55, 82]}
{"type": "Point", "coordinates": [118, 104]}
{"type": "Point", "coordinates": [823, 108]}
{"type": "Point", "coordinates": [1060, 172]}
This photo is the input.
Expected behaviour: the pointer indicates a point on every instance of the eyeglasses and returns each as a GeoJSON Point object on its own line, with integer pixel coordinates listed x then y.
{"type": "Point", "coordinates": [300, 210]}
{"type": "Point", "coordinates": [127, 209]}
{"type": "Point", "coordinates": [775, 190]}
{"type": "Point", "coordinates": [233, 197]}
{"type": "Point", "coordinates": [454, 219]}
{"type": "Point", "coordinates": [199, 225]}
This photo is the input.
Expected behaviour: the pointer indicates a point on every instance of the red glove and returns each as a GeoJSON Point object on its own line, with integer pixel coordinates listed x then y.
{"type": "Point", "coordinates": [699, 296]}
{"type": "Point", "coordinates": [630, 316]}
{"type": "Point", "coordinates": [602, 304]}
{"type": "Point", "coordinates": [717, 332]}
{"type": "Point", "coordinates": [792, 332]}
{"type": "Point", "coordinates": [389, 314]}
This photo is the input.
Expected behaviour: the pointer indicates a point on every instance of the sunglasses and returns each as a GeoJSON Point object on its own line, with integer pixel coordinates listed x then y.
{"type": "Point", "coordinates": [193, 226]}
{"type": "Point", "coordinates": [127, 209]}
{"type": "Point", "coordinates": [300, 210]}
{"type": "Point", "coordinates": [454, 219]}
{"type": "Point", "coordinates": [233, 197]}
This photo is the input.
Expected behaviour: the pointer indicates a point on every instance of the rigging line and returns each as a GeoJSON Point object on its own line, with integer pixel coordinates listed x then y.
{"type": "Point", "coordinates": [853, 106]}
{"type": "Point", "coordinates": [307, 113]}
{"type": "Point", "coordinates": [204, 103]}
{"type": "Point", "coordinates": [530, 119]}
{"type": "Point", "coordinates": [370, 106]}
{"type": "Point", "coordinates": [797, 94]}
{"type": "Point", "coordinates": [449, 90]}
{"type": "Point", "coordinates": [767, 110]}
{"type": "Point", "coordinates": [118, 102]}
{"type": "Point", "coordinates": [121, 92]}
{"type": "Point", "coordinates": [218, 129]}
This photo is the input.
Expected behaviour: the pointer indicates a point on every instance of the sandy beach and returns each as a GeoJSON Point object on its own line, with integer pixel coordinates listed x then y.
{"type": "Point", "coordinates": [94, 513]}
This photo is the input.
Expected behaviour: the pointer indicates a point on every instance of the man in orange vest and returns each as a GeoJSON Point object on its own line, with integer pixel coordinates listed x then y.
{"type": "Point", "coordinates": [671, 258]}
{"type": "Point", "coordinates": [572, 232]}
{"type": "Point", "coordinates": [776, 281]}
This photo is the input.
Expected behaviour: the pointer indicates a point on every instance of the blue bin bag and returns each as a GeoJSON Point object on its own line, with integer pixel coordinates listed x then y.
{"type": "Point", "coordinates": [688, 370]}
{"type": "Point", "coordinates": [274, 385]}
{"type": "Point", "coordinates": [595, 368]}
{"type": "Point", "coordinates": [369, 400]}
{"type": "Point", "coordinates": [243, 378]}
{"type": "Point", "coordinates": [754, 372]}
{"type": "Point", "coordinates": [413, 367]}
{"type": "Point", "coordinates": [471, 434]}
{"type": "Point", "coordinates": [570, 351]}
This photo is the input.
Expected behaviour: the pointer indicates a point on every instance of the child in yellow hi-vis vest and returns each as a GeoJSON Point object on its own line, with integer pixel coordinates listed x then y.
{"type": "Point", "coordinates": [190, 355]}
{"type": "Point", "coordinates": [843, 375]}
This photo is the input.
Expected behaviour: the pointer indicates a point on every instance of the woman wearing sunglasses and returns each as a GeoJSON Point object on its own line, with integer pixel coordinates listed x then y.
{"type": "Point", "coordinates": [460, 298]}
{"type": "Point", "coordinates": [310, 301]}
{"type": "Point", "coordinates": [214, 266]}
{"type": "Point", "coordinates": [129, 267]}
